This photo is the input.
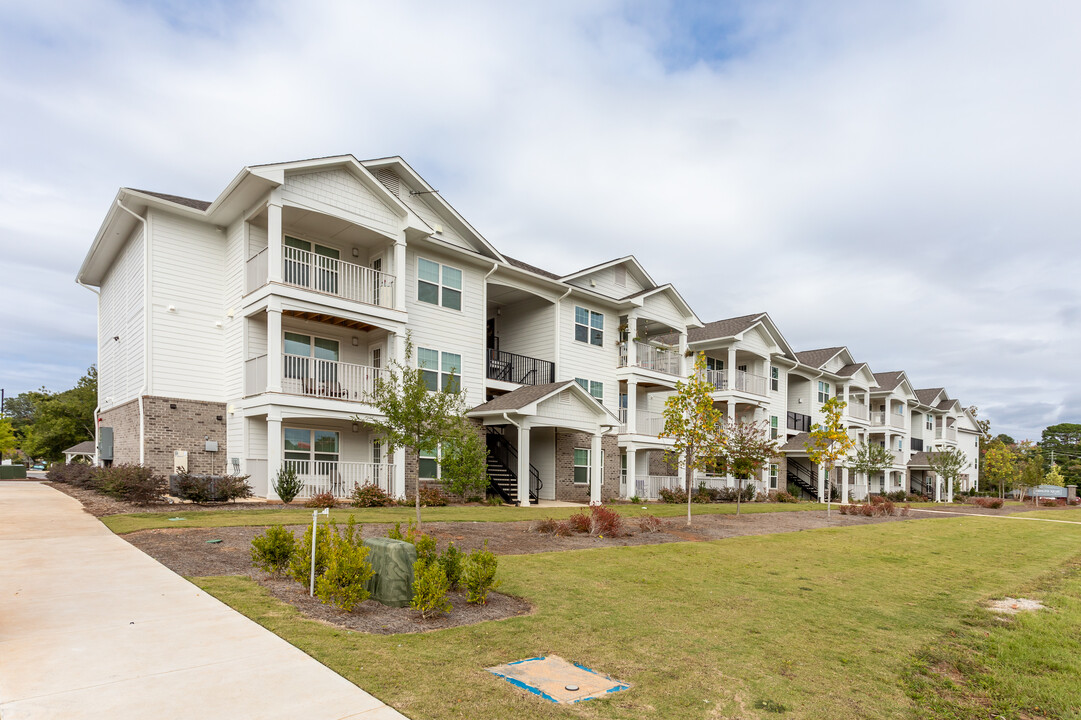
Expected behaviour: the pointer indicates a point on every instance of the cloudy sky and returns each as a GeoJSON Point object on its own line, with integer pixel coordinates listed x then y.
{"type": "Point", "coordinates": [901, 178]}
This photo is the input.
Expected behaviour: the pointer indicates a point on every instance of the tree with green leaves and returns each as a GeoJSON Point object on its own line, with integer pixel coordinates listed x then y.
{"type": "Point", "coordinates": [463, 465]}
{"type": "Point", "coordinates": [947, 465]}
{"type": "Point", "coordinates": [829, 442]}
{"type": "Point", "coordinates": [694, 425]}
{"type": "Point", "coordinates": [746, 449]}
{"type": "Point", "coordinates": [1054, 477]}
{"type": "Point", "coordinates": [999, 466]}
{"type": "Point", "coordinates": [7, 437]}
{"type": "Point", "coordinates": [1061, 443]}
{"type": "Point", "coordinates": [870, 459]}
{"type": "Point", "coordinates": [46, 423]}
{"type": "Point", "coordinates": [1030, 466]}
{"type": "Point", "coordinates": [416, 413]}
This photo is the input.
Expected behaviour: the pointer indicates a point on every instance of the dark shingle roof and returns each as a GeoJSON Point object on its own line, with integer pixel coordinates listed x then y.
{"type": "Point", "coordinates": [921, 460]}
{"type": "Point", "coordinates": [186, 202]}
{"type": "Point", "coordinates": [517, 399]}
{"type": "Point", "coordinates": [797, 443]}
{"type": "Point", "coordinates": [531, 268]}
{"type": "Point", "coordinates": [945, 404]}
{"type": "Point", "coordinates": [86, 447]}
{"type": "Point", "coordinates": [850, 370]}
{"type": "Point", "coordinates": [888, 380]}
{"type": "Point", "coordinates": [817, 358]}
{"type": "Point", "coordinates": [722, 328]}
{"type": "Point", "coordinates": [926, 396]}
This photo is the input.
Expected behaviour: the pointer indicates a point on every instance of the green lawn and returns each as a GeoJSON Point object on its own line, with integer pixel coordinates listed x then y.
{"type": "Point", "coordinates": [834, 623]}
{"type": "Point", "coordinates": [121, 524]}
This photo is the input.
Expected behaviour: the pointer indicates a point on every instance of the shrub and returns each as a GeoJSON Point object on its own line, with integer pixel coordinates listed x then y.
{"type": "Point", "coordinates": [430, 586]}
{"type": "Point", "coordinates": [273, 550]}
{"type": "Point", "coordinates": [425, 545]}
{"type": "Point", "coordinates": [288, 485]}
{"type": "Point", "coordinates": [432, 497]}
{"type": "Point", "coordinates": [451, 560]}
{"type": "Point", "coordinates": [321, 500]}
{"type": "Point", "coordinates": [494, 500]}
{"type": "Point", "coordinates": [547, 525]}
{"type": "Point", "coordinates": [670, 495]}
{"type": "Point", "coordinates": [343, 583]}
{"type": "Point", "coordinates": [896, 496]}
{"type": "Point", "coordinates": [478, 574]}
{"type": "Point", "coordinates": [410, 534]}
{"type": "Point", "coordinates": [228, 488]}
{"type": "Point", "coordinates": [300, 564]}
{"type": "Point", "coordinates": [986, 502]}
{"type": "Point", "coordinates": [650, 524]}
{"type": "Point", "coordinates": [783, 496]}
{"type": "Point", "coordinates": [579, 522]}
{"type": "Point", "coordinates": [201, 489]}
{"type": "Point", "coordinates": [605, 521]}
{"type": "Point", "coordinates": [369, 495]}
{"type": "Point", "coordinates": [135, 483]}
{"type": "Point", "coordinates": [635, 500]}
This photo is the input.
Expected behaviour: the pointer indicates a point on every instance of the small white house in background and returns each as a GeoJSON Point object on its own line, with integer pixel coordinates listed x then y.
{"type": "Point", "coordinates": [86, 451]}
{"type": "Point", "coordinates": [244, 334]}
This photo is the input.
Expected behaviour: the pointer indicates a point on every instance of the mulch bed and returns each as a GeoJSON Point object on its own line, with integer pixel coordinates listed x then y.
{"type": "Point", "coordinates": [102, 505]}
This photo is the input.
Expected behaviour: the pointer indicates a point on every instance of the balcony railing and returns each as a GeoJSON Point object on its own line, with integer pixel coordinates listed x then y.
{"type": "Point", "coordinates": [339, 478]}
{"type": "Point", "coordinates": [799, 422]}
{"type": "Point", "coordinates": [878, 419]}
{"type": "Point", "coordinates": [521, 369]}
{"type": "Point", "coordinates": [305, 269]}
{"type": "Point", "coordinates": [256, 270]}
{"type": "Point", "coordinates": [858, 411]}
{"type": "Point", "coordinates": [255, 377]}
{"type": "Point", "coordinates": [651, 357]}
{"type": "Point", "coordinates": [744, 382]}
{"type": "Point", "coordinates": [315, 377]}
{"type": "Point", "coordinates": [897, 421]}
{"type": "Point", "coordinates": [899, 457]}
{"type": "Point", "coordinates": [646, 422]}
{"type": "Point", "coordinates": [949, 434]}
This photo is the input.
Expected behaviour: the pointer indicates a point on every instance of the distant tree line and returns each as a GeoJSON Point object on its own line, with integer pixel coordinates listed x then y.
{"type": "Point", "coordinates": [40, 425]}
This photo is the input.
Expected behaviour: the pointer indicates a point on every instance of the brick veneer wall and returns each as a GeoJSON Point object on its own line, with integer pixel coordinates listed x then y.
{"type": "Point", "coordinates": [659, 463]}
{"type": "Point", "coordinates": [124, 420]}
{"type": "Point", "coordinates": [566, 489]}
{"type": "Point", "coordinates": [185, 428]}
{"type": "Point", "coordinates": [412, 470]}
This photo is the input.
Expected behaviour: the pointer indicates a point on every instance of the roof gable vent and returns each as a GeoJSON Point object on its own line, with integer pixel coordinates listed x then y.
{"type": "Point", "coordinates": [390, 180]}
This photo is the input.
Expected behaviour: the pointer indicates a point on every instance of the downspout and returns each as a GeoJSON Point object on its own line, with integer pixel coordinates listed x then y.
{"type": "Point", "coordinates": [146, 327]}
{"type": "Point", "coordinates": [97, 407]}
{"type": "Point", "coordinates": [558, 333]}
{"type": "Point", "coordinates": [484, 300]}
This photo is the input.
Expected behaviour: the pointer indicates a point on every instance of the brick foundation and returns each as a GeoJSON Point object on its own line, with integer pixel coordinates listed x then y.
{"type": "Point", "coordinates": [185, 428]}
{"type": "Point", "coordinates": [566, 489]}
{"type": "Point", "coordinates": [124, 420]}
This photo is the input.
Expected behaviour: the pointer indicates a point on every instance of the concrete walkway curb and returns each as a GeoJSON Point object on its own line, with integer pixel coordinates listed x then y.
{"type": "Point", "coordinates": [90, 627]}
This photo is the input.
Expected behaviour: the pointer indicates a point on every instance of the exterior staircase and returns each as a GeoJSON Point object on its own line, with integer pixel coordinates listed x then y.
{"type": "Point", "coordinates": [502, 464]}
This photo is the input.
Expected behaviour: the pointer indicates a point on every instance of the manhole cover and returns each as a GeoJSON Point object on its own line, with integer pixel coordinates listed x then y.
{"type": "Point", "coordinates": [557, 680]}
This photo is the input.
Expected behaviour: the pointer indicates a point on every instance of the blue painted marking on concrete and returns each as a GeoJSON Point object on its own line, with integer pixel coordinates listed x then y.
{"type": "Point", "coordinates": [518, 662]}
{"type": "Point", "coordinates": [530, 688]}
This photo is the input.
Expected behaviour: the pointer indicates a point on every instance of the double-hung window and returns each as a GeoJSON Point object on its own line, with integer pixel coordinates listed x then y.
{"type": "Point", "coordinates": [441, 370]}
{"type": "Point", "coordinates": [439, 284]}
{"type": "Point", "coordinates": [310, 265]}
{"type": "Point", "coordinates": [594, 388]}
{"type": "Point", "coordinates": [311, 452]}
{"type": "Point", "coordinates": [930, 421]}
{"type": "Point", "coordinates": [582, 466]}
{"type": "Point", "coordinates": [428, 464]}
{"type": "Point", "coordinates": [588, 326]}
{"type": "Point", "coordinates": [772, 477]}
{"type": "Point", "coordinates": [773, 427]}
{"type": "Point", "coordinates": [774, 379]}
{"type": "Point", "coordinates": [823, 391]}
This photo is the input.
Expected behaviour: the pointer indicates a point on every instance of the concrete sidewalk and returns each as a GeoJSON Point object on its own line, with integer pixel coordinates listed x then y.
{"type": "Point", "coordinates": [90, 627]}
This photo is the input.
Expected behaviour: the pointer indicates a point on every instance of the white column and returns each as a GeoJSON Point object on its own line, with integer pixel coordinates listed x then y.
{"type": "Point", "coordinates": [595, 470]}
{"type": "Point", "coordinates": [274, 349]}
{"type": "Point", "coordinates": [399, 276]}
{"type": "Point", "coordinates": [632, 346]}
{"type": "Point", "coordinates": [731, 368]}
{"type": "Point", "coordinates": [274, 454]}
{"type": "Point", "coordinates": [844, 486]}
{"type": "Point", "coordinates": [821, 483]}
{"type": "Point", "coordinates": [949, 491]}
{"type": "Point", "coordinates": [523, 463]}
{"type": "Point", "coordinates": [632, 475]}
{"type": "Point", "coordinates": [274, 236]}
{"type": "Point", "coordinates": [632, 406]}
{"type": "Point", "coordinates": [397, 488]}
{"type": "Point", "coordinates": [938, 488]}
{"type": "Point", "coordinates": [686, 365]}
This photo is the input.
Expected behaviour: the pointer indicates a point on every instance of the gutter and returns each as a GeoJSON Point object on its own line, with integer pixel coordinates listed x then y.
{"type": "Point", "coordinates": [146, 327]}
{"type": "Point", "coordinates": [97, 407]}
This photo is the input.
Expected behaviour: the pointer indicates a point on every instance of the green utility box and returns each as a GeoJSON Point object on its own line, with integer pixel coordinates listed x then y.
{"type": "Point", "coordinates": [392, 566]}
{"type": "Point", "coordinates": [18, 472]}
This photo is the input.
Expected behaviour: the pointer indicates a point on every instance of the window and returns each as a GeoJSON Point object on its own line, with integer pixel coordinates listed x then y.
{"type": "Point", "coordinates": [774, 379]}
{"type": "Point", "coordinates": [588, 326]}
{"type": "Point", "coordinates": [309, 265]}
{"type": "Point", "coordinates": [442, 371]}
{"type": "Point", "coordinates": [823, 391]}
{"type": "Point", "coordinates": [439, 284]}
{"type": "Point", "coordinates": [582, 466]}
{"type": "Point", "coordinates": [900, 444]}
{"type": "Point", "coordinates": [773, 427]}
{"type": "Point", "coordinates": [377, 357]}
{"type": "Point", "coordinates": [302, 365]}
{"type": "Point", "coordinates": [594, 388]}
{"type": "Point", "coordinates": [311, 452]}
{"type": "Point", "coordinates": [714, 364]}
{"type": "Point", "coordinates": [930, 422]}
{"type": "Point", "coordinates": [428, 464]}
{"type": "Point", "coordinates": [772, 477]}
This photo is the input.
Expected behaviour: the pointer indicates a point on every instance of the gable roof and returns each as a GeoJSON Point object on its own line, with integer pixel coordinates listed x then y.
{"type": "Point", "coordinates": [889, 380]}
{"type": "Point", "coordinates": [86, 447]}
{"type": "Point", "coordinates": [851, 369]}
{"type": "Point", "coordinates": [798, 443]}
{"type": "Point", "coordinates": [520, 398]}
{"type": "Point", "coordinates": [626, 260]}
{"type": "Point", "coordinates": [818, 358]}
{"type": "Point", "coordinates": [522, 265]}
{"type": "Point", "coordinates": [186, 202]}
{"type": "Point", "coordinates": [927, 396]}
{"type": "Point", "coordinates": [718, 329]}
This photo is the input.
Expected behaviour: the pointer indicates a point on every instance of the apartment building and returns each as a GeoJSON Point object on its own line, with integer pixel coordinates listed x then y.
{"type": "Point", "coordinates": [245, 334]}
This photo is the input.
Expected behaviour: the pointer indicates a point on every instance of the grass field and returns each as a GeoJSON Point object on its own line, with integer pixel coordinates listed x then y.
{"type": "Point", "coordinates": [874, 621]}
{"type": "Point", "coordinates": [121, 524]}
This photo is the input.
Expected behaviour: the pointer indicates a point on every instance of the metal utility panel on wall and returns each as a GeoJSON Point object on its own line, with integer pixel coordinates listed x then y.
{"type": "Point", "coordinates": [180, 460]}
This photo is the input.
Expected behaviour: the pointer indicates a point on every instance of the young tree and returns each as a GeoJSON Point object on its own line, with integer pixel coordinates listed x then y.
{"type": "Point", "coordinates": [999, 465]}
{"type": "Point", "coordinates": [418, 414]}
{"type": "Point", "coordinates": [694, 425]}
{"type": "Point", "coordinates": [7, 437]}
{"type": "Point", "coordinates": [829, 442]}
{"type": "Point", "coordinates": [1059, 443]}
{"type": "Point", "coordinates": [463, 465]}
{"type": "Point", "coordinates": [948, 466]}
{"type": "Point", "coordinates": [48, 423]}
{"type": "Point", "coordinates": [1029, 466]}
{"type": "Point", "coordinates": [870, 459]}
{"type": "Point", "coordinates": [1054, 477]}
{"type": "Point", "coordinates": [746, 450]}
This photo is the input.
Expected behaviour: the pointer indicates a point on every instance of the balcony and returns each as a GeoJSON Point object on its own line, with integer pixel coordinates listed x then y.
{"type": "Point", "coordinates": [744, 382]}
{"type": "Point", "coordinates": [949, 434]}
{"type": "Point", "coordinates": [330, 379]}
{"type": "Point", "coordinates": [858, 411]}
{"type": "Point", "coordinates": [897, 421]}
{"type": "Point", "coordinates": [899, 457]}
{"type": "Point", "coordinates": [798, 422]}
{"type": "Point", "coordinates": [339, 478]}
{"type": "Point", "coordinates": [311, 271]}
{"type": "Point", "coordinates": [878, 419]}
{"type": "Point", "coordinates": [916, 444]}
{"type": "Point", "coordinates": [650, 357]}
{"type": "Point", "coordinates": [520, 369]}
{"type": "Point", "coordinates": [646, 422]}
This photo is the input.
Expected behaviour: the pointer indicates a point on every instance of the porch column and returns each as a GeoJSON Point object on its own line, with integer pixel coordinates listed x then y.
{"type": "Point", "coordinates": [686, 365]}
{"type": "Point", "coordinates": [274, 454]}
{"type": "Point", "coordinates": [938, 488]}
{"type": "Point", "coordinates": [397, 483]}
{"type": "Point", "coordinates": [821, 483]}
{"type": "Point", "coordinates": [844, 486]}
{"type": "Point", "coordinates": [632, 474]}
{"type": "Point", "coordinates": [731, 368]}
{"type": "Point", "coordinates": [632, 405]}
{"type": "Point", "coordinates": [274, 237]}
{"type": "Point", "coordinates": [632, 346]}
{"type": "Point", "coordinates": [595, 477]}
{"type": "Point", "coordinates": [523, 463]}
{"type": "Point", "coordinates": [949, 490]}
{"type": "Point", "coordinates": [399, 276]}
{"type": "Point", "coordinates": [274, 342]}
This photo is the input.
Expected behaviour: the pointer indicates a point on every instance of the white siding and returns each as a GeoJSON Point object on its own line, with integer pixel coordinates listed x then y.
{"type": "Point", "coordinates": [835, 363]}
{"type": "Point", "coordinates": [257, 239]}
{"type": "Point", "coordinates": [582, 360]}
{"type": "Point", "coordinates": [188, 273]}
{"type": "Point", "coordinates": [555, 409]}
{"type": "Point", "coordinates": [236, 253]}
{"type": "Point", "coordinates": [605, 280]}
{"type": "Point", "coordinates": [542, 455]}
{"type": "Point", "coordinates": [425, 212]}
{"type": "Point", "coordinates": [455, 331]}
{"type": "Point", "coordinates": [757, 341]}
{"type": "Point", "coordinates": [121, 314]}
{"type": "Point", "coordinates": [257, 438]}
{"type": "Point", "coordinates": [341, 189]}
{"type": "Point", "coordinates": [528, 328]}
{"type": "Point", "coordinates": [660, 307]}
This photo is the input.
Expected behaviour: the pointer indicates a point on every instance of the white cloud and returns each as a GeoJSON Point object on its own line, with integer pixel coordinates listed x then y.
{"type": "Point", "coordinates": [901, 180]}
